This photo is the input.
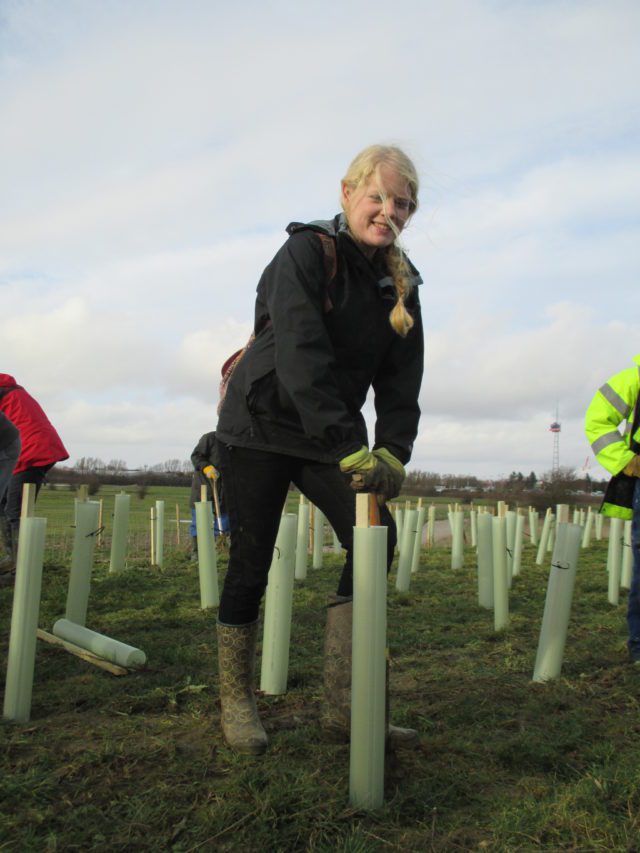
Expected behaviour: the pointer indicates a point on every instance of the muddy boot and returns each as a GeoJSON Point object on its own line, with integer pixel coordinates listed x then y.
{"type": "Point", "coordinates": [336, 716]}
{"type": "Point", "coordinates": [241, 725]}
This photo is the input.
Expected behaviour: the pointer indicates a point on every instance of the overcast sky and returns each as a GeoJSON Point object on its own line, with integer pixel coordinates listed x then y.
{"type": "Point", "coordinates": [152, 154]}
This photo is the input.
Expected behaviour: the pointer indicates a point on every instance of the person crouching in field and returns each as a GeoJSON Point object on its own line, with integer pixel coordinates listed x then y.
{"type": "Point", "coordinates": [41, 448]}
{"type": "Point", "coordinates": [206, 474]}
{"type": "Point", "coordinates": [337, 313]}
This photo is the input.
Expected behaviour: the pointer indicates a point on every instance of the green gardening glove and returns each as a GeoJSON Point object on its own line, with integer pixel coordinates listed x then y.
{"type": "Point", "coordinates": [364, 469]}
{"type": "Point", "coordinates": [394, 473]}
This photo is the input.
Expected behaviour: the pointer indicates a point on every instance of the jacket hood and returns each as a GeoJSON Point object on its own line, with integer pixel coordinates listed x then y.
{"type": "Point", "coordinates": [338, 225]}
{"type": "Point", "coordinates": [331, 227]}
{"type": "Point", "coordinates": [6, 380]}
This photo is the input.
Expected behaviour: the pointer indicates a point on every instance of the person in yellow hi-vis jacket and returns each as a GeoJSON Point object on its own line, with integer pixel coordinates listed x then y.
{"type": "Point", "coordinates": [616, 401]}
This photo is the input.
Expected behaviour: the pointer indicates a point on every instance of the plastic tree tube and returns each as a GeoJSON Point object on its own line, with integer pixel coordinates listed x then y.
{"type": "Point", "coordinates": [277, 610]}
{"type": "Point", "coordinates": [24, 620]}
{"type": "Point", "coordinates": [614, 559]}
{"type": "Point", "coordinates": [517, 545]}
{"type": "Point", "coordinates": [510, 533]}
{"type": "Point", "coordinates": [399, 516]}
{"type": "Point", "coordinates": [586, 533]}
{"type": "Point", "coordinates": [599, 524]}
{"type": "Point", "coordinates": [473, 523]}
{"type": "Point", "coordinates": [84, 543]}
{"type": "Point", "coordinates": [417, 544]}
{"type": "Point", "coordinates": [533, 526]}
{"type": "Point", "coordinates": [457, 539]}
{"type": "Point", "coordinates": [627, 557]}
{"type": "Point", "coordinates": [544, 538]}
{"type": "Point", "coordinates": [485, 561]}
{"type": "Point", "coordinates": [159, 533]}
{"type": "Point", "coordinates": [406, 550]}
{"type": "Point", "coordinates": [302, 539]}
{"type": "Point", "coordinates": [366, 765]}
{"type": "Point", "coordinates": [120, 531]}
{"type": "Point", "coordinates": [557, 608]}
{"type": "Point", "coordinates": [101, 645]}
{"type": "Point", "coordinates": [551, 541]}
{"type": "Point", "coordinates": [318, 538]}
{"type": "Point", "coordinates": [207, 564]}
{"type": "Point", "coordinates": [500, 578]}
{"type": "Point", "coordinates": [431, 526]}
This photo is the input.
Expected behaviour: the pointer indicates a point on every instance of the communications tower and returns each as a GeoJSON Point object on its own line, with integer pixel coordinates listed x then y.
{"type": "Point", "coordinates": [555, 461]}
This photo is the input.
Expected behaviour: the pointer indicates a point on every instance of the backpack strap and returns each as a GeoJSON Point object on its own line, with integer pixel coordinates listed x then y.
{"type": "Point", "coordinates": [330, 258]}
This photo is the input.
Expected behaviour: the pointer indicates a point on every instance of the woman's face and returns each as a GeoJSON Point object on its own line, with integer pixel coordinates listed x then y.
{"type": "Point", "coordinates": [370, 206]}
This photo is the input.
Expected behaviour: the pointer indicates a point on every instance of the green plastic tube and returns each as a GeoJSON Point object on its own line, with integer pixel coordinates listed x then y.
{"type": "Point", "coordinates": [500, 577]}
{"type": "Point", "coordinates": [588, 527]}
{"type": "Point", "coordinates": [457, 538]}
{"type": "Point", "coordinates": [417, 543]}
{"type": "Point", "coordinates": [24, 620]}
{"type": "Point", "coordinates": [557, 608]}
{"type": "Point", "coordinates": [406, 550]}
{"type": "Point", "coordinates": [485, 561]}
{"type": "Point", "coordinates": [302, 540]}
{"type": "Point", "coordinates": [84, 544]}
{"type": "Point", "coordinates": [518, 541]}
{"type": "Point", "coordinates": [120, 532]}
{"type": "Point", "coordinates": [207, 564]}
{"type": "Point", "coordinates": [99, 644]}
{"type": "Point", "coordinates": [431, 526]}
{"type": "Point", "coordinates": [399, 517]}
{"type": "Point", "coordinates": [318, 538]}
{"type": "Point", "coordinates": [368, 679]}
{"type": "Point", "coordinates": [510, 533]}
{"type": "Point", "coordinates": [544, 538]}
{"type": "Point", "coordinates": [277, 610]}
{"type": "Point", "coordinates": [599, 526]}
{"type": "Point", "coordinates": [533, 526]}
{"type": "Point", "coordinates": [473, 526]}
{"type": "Point", "coordinates": [159, 533]}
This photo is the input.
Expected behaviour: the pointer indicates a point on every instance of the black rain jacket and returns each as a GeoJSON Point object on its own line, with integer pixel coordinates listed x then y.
{"type": "Point", "coordinates": [300, 388]}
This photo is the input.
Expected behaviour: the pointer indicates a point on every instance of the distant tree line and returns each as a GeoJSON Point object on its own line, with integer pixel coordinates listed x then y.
{"type": "Point", "coordinates": [93, 471]}
{"type": "Point", "coordinates": [562, 486]}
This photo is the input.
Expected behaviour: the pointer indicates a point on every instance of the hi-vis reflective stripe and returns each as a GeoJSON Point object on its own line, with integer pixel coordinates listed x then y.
{"type": "Point", "coordinates": [605, 440]}
{"type": "Point", "coordinates": [615, 399]}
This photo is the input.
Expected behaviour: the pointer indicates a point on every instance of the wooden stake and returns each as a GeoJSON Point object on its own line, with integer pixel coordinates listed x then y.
{"type": "Point", "coordinates": [28, 500]}
{"type": "Point", "coordinates": [89, 657]}
{"type": "Point", "coordinates": [362, 510]}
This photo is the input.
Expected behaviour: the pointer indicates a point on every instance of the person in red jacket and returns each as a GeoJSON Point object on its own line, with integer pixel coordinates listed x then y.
{"type": "Point", "coordinates": [41, 448]}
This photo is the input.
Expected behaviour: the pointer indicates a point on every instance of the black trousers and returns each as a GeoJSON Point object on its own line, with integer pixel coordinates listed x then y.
{"type": "Point", "coordinates": [256, 484]}
{"type": "Point", "coordinates": [11, 503]}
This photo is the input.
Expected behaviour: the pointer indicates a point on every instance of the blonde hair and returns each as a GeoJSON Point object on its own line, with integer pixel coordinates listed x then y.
{"type": "Point", "coordinates": [365, 165]}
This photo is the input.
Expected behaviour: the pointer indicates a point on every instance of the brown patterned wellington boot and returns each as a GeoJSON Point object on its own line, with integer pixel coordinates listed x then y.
{"type": "Point", "coordinates": [241, 724]}
{"type": "Point", "coordinates": [336, 716]}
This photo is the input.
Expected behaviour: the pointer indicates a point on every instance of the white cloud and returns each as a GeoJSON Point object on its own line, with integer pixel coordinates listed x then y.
{"type": "Point", "coordinates": [152, 154]}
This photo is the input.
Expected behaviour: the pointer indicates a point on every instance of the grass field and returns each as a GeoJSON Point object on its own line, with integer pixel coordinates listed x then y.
{"type": "Point", "coordinates": [504, 764]}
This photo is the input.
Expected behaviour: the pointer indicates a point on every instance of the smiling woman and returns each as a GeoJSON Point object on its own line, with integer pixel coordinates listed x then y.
{"type": "Point", "coordinates": [337, 313]}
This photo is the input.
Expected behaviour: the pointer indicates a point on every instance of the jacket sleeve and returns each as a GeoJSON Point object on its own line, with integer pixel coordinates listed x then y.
{"type": "Point", "coordinates": [304, 356]}
{"type": "Point", "coordinates": [203, 452]}
{"type": "Point", "coordinates": [614, 402]}
{"type": "Point", "coordinates": [397, 388]}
